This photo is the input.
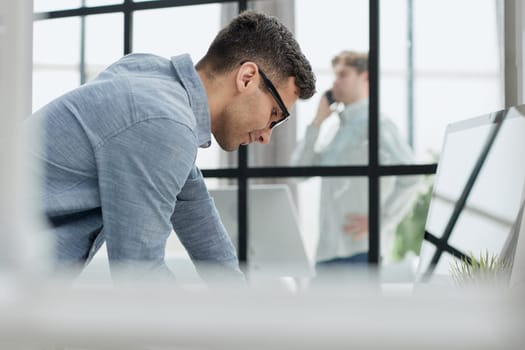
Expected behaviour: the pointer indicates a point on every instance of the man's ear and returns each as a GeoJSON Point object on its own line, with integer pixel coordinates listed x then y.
{"type": "Point", "coordinates": [246, 77]}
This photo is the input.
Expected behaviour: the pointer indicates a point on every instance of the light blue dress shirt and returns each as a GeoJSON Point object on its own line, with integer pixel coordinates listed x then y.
{"type": "Point", "coordinates": [119, 166]}
{"type": "Point", "coordinates": [341, 196]}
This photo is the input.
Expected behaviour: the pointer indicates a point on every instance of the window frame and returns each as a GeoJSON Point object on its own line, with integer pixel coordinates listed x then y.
{"type": "Point", "coordinates": [243, 172]}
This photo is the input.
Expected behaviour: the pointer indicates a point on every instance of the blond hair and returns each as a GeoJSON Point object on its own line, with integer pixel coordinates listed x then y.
{"type": "Point", "coordinates": [358, 60]}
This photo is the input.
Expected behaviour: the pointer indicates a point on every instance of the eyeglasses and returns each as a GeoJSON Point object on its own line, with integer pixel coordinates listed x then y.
{"type": "Point", "coordinates": [273, 91]}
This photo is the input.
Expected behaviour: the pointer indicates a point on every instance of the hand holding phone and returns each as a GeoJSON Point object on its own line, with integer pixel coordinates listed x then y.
{"type": "Point", "coordinates": [330, 97]}
{"type": "Point", "coordinates": [324, 110]}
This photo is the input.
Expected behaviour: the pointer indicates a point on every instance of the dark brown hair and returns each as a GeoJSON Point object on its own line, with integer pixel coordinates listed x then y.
{"type": "Point", "coordinates": [263, 39]}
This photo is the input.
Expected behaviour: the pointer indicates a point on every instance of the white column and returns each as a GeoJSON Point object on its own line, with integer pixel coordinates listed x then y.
{"type": "Point", "coordinates": [20, 248]}
{"type": "Point", "coordinates": [514, 23]}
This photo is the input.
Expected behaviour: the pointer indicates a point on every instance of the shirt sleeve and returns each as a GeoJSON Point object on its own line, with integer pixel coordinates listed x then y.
{"type": "Point", "coordinates": [305, 154]}
{"type": "Point", "coordinates": [200, 229]}
{"type": "Point", "coordinates": [141, 170]}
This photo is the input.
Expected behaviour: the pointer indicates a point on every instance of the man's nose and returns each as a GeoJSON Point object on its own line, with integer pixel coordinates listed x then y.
{"type": "Point", "coordinates": [264, 136]}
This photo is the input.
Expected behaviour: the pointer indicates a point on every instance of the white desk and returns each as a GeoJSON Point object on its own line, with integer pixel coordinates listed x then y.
{"type": "Point", "coordinates": [170, 317]}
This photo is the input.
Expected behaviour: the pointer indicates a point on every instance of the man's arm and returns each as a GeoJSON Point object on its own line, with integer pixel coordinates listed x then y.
{"type": "Point", "coordinates": [141, 170]}
{"type": "Point", "coordinates": [200, 229]}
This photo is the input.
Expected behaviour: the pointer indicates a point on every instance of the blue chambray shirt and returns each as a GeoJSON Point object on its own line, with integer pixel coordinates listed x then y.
{"type": "Point", "coordinates": [119, 166]}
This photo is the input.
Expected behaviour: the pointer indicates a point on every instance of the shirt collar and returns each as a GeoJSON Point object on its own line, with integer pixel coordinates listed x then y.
{"type": "Point", "coordinates": [197, 95]}
{"type": "Point", "coordinates": [354, 111]}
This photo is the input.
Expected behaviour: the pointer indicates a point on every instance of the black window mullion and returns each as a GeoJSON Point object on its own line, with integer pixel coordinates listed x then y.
{"type": "Point", "coordinates": [373, 136]}
{"type": "Point", "coordinates": [242, 202]}
{"type": "Point", "coordinates": [266, 172]}
{"type": "Point", "coordinates": [243, 5]}
{"type": "Point", "coordinates": [242, 186]}
{"type": "Point", "coordinates": [128, 26]}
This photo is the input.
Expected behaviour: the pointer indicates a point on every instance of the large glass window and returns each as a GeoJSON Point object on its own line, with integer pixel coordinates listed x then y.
{"type": "Point", "coordinates": [435, 72]}
{"type": "Point", "coordinates": [335, 31]}
{"type": "Point", "coordinates": [101, 53]}
{"type": "Point", "coordinates": [56, 58]}
{"type": "Point", "coordinates": [101, 2]}
{"type": "Point", "coordinates": [55, 5]}
{"type": "Point", "coordinates": [427, 79]}
{"type": "Point", "coordinates": [165, 32]}
{"type": "Point", "coordinates": [340, 25]}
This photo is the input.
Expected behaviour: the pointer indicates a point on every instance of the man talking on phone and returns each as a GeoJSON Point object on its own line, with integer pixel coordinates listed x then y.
{"type": "Point", "coordinates": [343, 232]}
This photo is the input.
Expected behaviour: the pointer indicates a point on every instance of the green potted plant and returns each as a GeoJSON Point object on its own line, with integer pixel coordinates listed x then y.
{"type": "Point", "coordinates": [487, 269]}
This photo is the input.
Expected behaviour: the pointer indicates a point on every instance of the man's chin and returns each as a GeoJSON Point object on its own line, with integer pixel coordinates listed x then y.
{"type": "Point", "coordinates": [227, 144]}
{"type": "Point", "coordinates": [229, 148]}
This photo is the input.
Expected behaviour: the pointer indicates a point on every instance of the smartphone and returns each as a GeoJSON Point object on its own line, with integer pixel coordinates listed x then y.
{"type": "Point", "coordinates": [329, 96]}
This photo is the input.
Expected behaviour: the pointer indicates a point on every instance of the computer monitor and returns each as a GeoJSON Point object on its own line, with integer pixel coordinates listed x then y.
{"type": "Point", "coordinates": [477, 197]}
{"type": "Point", "coordinates": [517, 278]}
{"type": "Point", "coordinates": [275, 244]}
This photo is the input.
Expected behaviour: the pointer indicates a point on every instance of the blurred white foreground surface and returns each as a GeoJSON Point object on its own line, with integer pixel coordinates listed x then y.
{"type": "Point", "coordinates": [38, 313]}
{"type": "Point", "coordinates": [166, 316]}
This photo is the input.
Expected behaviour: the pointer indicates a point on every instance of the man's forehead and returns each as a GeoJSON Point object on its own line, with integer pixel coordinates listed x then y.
{"type": "Point", "coordinates": [341, 69]}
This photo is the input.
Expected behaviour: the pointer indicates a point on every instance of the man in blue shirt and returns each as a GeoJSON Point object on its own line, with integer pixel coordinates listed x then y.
{"type": "Point", "coordinates": [119, 152]}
